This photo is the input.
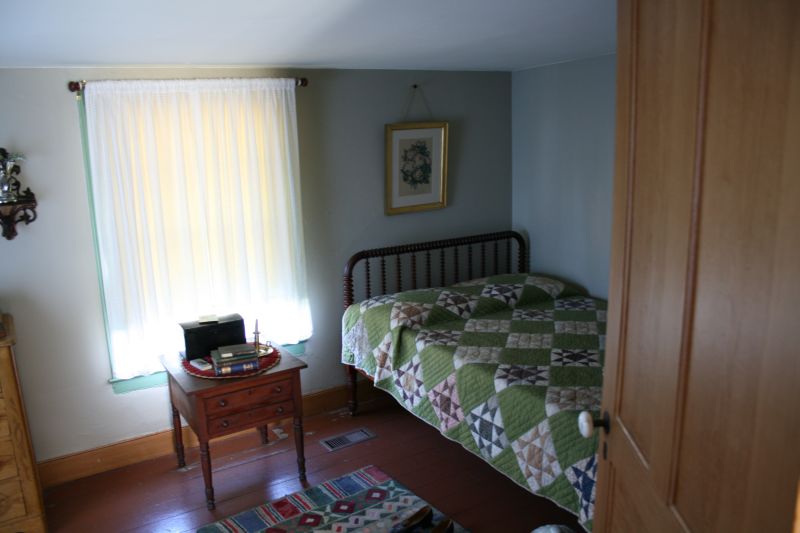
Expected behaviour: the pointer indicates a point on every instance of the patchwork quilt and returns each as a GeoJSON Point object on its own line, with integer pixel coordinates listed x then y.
{"type": "Point", "coordinates": [503, 365]}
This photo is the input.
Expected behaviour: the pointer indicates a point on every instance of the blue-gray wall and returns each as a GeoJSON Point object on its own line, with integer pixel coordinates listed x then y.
{"type": "Point", "coordinates": [558, 120]}
{"type": "Point", "coordinates": [562, 120]}
{"type": "Point", "coordinates": [48, 279]}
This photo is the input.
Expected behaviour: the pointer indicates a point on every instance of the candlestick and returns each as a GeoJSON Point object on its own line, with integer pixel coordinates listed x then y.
{"type": "Point", "coordinates": [255, 339]}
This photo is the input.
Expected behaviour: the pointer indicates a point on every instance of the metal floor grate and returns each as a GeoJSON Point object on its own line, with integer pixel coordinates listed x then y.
{"type": "Point", "coordinates": [337, 442]}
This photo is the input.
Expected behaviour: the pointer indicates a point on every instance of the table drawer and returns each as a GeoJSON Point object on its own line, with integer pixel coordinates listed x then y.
{"type": "Point", "coordinates": [250, 418]}
{"type": "Point", "coordinates": [241, 399]}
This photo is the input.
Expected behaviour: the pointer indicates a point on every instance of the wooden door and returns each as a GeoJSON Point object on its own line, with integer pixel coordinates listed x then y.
{"type": "Point", "coordinates": [702, 376]}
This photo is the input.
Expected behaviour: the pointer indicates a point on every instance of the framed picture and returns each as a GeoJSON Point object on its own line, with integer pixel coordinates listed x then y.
{"type": "Point", "coordinates": [416, 166]}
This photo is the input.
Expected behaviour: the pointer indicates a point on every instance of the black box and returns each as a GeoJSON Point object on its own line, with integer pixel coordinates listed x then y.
{"type": "Point", "coordinates": [203, 337]}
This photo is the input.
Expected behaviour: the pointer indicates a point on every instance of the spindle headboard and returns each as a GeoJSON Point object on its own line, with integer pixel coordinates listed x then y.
{"type": "Point", "coordinates": [459, 259]}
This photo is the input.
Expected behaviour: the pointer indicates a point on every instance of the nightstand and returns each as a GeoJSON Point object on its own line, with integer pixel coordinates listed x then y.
{"type": "Point", "coordinates": [218, 407]}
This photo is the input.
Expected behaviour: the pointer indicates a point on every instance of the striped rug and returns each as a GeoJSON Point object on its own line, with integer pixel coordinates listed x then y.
{"type": "Point", "coordinates": [364, 500]}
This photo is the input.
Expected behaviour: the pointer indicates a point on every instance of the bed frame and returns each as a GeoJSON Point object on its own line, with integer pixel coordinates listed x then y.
{"type": "Point", "coordinates": [458, 259]}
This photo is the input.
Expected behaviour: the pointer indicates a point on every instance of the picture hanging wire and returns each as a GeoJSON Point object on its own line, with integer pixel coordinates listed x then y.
{"type": "Point", "coordinates": [412, 93]}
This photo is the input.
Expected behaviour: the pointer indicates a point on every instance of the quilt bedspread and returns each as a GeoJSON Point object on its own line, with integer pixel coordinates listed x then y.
{"type": "Point", "coordinates": [503, 365]}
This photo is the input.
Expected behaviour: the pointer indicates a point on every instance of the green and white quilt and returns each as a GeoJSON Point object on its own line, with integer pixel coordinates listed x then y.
{"type": "Point", "coordinates": [501, 364]}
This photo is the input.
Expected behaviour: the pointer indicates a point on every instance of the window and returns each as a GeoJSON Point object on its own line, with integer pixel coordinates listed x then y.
{"type": "Point", "coordinates": [196, 205]}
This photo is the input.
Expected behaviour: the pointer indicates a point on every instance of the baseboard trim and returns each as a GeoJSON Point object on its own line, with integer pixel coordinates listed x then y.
{"type": "Point", "coordinates": [59, 470]}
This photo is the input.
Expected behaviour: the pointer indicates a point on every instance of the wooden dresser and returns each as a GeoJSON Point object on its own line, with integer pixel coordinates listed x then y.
{"type": "Point", "coordinates": [21, 506]}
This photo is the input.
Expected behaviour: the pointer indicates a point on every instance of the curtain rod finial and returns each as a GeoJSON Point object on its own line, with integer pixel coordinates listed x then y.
{"type": "Point", "coordinates": [76, 86]}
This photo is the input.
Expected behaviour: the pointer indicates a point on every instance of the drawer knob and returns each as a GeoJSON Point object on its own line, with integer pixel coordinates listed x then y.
{"type": "Point", "coordinates": [222, 403]}
{"type": "Point", "coordinates": [278, 390]}
{"type": "Point", "coordinates": [225, 423]}
{"type": "Point", "coordinates": [279, 410]}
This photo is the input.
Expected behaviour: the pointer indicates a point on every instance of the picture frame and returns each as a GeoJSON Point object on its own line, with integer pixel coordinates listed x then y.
{"type": "Point", "coordinates": [416, 167]}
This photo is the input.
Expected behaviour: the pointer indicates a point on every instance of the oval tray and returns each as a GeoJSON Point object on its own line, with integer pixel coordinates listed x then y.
{"type": "Point", "coordinates": [271, 357]}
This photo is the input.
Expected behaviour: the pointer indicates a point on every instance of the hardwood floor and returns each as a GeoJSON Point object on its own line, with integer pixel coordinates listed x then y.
{"type": "Point", "coordinates": [155, 496]}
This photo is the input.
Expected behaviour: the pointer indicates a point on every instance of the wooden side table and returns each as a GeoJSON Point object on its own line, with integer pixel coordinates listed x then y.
{"type": "Point", "coordinates": [217, 407]}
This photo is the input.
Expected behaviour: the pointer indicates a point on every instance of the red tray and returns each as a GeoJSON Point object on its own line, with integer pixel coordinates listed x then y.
{"type": "Point", "coordinates": [271, 357]}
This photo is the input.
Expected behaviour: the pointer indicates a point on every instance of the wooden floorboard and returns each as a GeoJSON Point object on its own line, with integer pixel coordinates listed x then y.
{"type": "Point", "coordinates": [155, 496]}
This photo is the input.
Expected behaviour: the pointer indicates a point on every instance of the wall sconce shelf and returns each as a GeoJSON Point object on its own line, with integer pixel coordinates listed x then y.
{"type": "Point", "coordinates": [23, 209]}
{"type": "Point", "coordinates": [15, 206]}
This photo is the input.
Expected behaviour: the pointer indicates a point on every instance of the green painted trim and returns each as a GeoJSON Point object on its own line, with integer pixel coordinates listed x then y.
{"type": "Point", "coordinates": [122, 386]}
{"type": "Point", "coordinates": [159, 379]}
{"type": "Point", "coordinates": [296, 349]}
{"type": "Point", "coordinates": [89, 191]}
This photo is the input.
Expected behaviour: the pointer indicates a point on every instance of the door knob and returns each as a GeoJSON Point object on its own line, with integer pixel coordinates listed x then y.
{"type": "Point", "coordinates": [586, 423]}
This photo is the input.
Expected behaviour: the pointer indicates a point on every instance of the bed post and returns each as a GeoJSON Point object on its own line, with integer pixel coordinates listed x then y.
{"type": "Point", "coordinates": [352, 402]}
{"type": "Point", "coordinates": [522, 252]}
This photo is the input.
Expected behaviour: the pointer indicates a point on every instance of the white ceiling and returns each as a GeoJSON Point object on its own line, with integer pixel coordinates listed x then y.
{"type": "Point", "coordinates": [362, 34]}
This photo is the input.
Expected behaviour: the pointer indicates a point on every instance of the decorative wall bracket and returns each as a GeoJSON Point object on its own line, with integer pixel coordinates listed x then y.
{"type": "Point", "coordinates": [21, 210]}
{"type": "Point", "coordinates": [14, 206]}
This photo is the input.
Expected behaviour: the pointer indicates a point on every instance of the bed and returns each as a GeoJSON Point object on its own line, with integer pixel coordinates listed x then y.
{"type": "Point", "coordinates": [498, 359]}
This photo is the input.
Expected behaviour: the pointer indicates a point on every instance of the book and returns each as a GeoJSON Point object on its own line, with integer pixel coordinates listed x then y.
{"type": "Point", "coordinates": [236, 368]}
{"type": "Point", "coordinates": [218, 360]}
{"type": "Point", "coordinates": [236, 350]}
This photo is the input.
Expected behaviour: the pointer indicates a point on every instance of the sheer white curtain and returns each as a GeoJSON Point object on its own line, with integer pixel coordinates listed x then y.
{"type": "Point", "coordinates": [196, 197]}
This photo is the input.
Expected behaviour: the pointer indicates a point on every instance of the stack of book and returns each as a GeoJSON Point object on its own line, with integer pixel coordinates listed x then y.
{"type": "Point", "coordinates": [236, 359]}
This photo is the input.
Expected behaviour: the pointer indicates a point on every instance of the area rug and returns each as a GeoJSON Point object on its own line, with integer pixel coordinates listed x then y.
{"type": "Point", "coordinates": [364, 501]}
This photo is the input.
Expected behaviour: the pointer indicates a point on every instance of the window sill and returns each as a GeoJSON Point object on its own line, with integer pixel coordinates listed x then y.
{"type": "Point", "coordinates": [159, 379]}
{"type": "Point", "coordinates": [123, 386]}
{"type": "Point", "coordinates": [298, 349]}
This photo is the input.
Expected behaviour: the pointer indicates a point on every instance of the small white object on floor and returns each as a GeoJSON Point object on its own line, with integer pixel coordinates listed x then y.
{"type": "Point", "coordinates": [552, 529]}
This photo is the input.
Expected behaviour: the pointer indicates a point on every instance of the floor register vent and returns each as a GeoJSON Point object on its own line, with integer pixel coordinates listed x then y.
{"type": "Point", "coordinates": [337, 442]}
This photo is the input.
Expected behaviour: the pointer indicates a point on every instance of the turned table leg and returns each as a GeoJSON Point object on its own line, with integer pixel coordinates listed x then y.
{"type": "Point", "coordinates": [177, 436]}
{"type": "Point", "coordinates": [264, 430]}
{"type": "Point", "coordinates": [205, 461]}
{"type": "Point", "coordinates": [298, 443]}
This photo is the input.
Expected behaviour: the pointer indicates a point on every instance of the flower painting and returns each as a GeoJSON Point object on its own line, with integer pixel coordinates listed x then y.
{"type": "Point", "coordinates": [416, 166]}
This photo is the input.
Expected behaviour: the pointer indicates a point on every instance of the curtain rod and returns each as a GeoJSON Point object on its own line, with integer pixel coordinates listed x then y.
{"type": "Point", "coordinates": [77, 86]}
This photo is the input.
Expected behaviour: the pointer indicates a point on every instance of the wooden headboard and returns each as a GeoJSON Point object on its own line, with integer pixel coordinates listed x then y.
{"type": "Point", "coordinates": [466, 257]}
